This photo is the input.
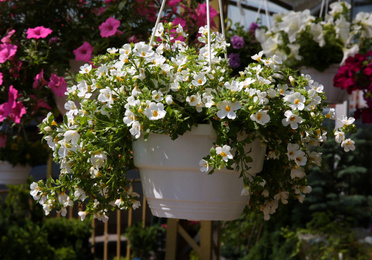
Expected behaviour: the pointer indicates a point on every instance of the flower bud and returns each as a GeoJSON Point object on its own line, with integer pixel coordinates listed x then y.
{"type": "Point", "coordinates": [47, 129]}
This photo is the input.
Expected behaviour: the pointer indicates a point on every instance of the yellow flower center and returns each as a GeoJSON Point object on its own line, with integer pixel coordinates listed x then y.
{"type": "Point", "coordinates": [155, 113]}
{"type": "Point", "coordinates": [200, 81]}
{"type": "Point", "coordinates": [292, 118]}
{"type": "Point", "coordinates": [223, 154]}
{"type": "Point", "coordinates": [297, 101]}
{"type": "Point", "coordinates": [228, 108]}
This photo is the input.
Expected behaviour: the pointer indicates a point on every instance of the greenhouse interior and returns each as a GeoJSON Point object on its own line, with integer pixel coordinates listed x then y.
{"type": "Point", "coordinates": [185, 129]}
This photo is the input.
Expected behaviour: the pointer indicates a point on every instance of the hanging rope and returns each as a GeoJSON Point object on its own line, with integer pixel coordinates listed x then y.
{"type": "Point", "coordinates": [222, 24]}
{"type": "Point", "coordinates": [157, 21]}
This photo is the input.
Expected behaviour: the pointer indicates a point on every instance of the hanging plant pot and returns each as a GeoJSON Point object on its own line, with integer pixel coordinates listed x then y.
{"type": "Point", "coordinates": [334, 95]}
{"type": "Point", "coordinates": [10, 174]}
{"type": "Point", "coordinates": [176, 188]}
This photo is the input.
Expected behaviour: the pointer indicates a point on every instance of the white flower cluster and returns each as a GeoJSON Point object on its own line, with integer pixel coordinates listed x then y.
{"type": "Point", "coordinates": [168, 88]}
{"type": "Point", "coordinates": [293, 24]}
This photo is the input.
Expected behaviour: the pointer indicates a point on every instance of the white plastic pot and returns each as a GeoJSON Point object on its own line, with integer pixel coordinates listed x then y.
{"type": "Point", "coordinates": [334, 94]}
{"type": "Point", "coordinates": [176, 188]}
{"type": "Point", "coordinates": [10, 174]}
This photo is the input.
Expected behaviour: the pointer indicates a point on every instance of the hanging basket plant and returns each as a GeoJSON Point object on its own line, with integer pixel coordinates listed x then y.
{"type": "Point", "coordinates": [168, 89]}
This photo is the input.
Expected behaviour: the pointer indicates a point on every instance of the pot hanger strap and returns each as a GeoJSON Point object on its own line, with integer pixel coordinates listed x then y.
{"type": "Point", "coordinates": [208, 26]}
{"type": "Point", "coordinates": [242, 12]}
{"type": "Point", "coordinates": [266, 12]}
{"type": "Point", "coordinates": [157, 21]}
{"type": "Point", "coordinates": [324, 5]}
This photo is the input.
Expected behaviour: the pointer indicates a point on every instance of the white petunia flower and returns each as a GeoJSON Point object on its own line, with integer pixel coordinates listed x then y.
{"type": "Point", "coordinates": [300, 158]}
{"type": "Point", "coordinates": [98, 160]}
{"type": "Point", "coordinates": [157, 95]}
{"type": "Point", "coordinates": [347, 121]}
{"type": "Point", "coordinates": [199, 79]}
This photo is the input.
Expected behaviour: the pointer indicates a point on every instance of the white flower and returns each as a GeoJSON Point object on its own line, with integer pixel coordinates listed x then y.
{"type": "Point", "coordinates": [297, 172]}
{"type": "Point", "coordinates": [258, 56]}
{"type": "Point", "coordinates": [169, 99]}
{"type": "Point", "coordinates": [315, 158]}
{"type": "Point", "coordinates": [283, 196]}
{"type": "Point", "coordinates": [291, 119]}
{"type": "Point", "coordinates": [85, 69]}
{"type": "Point", "coordinates": [347, 121]}
{"type": "Point", "coordinates": [98, 160]}
{"type": "Point", "coordinates": [261, 117]}
{"type": "Point", "coordinates": [348, 145]}
{"type": "Point", "coordinates": [296, 101]}
{"type": "Point", "coordinates": [228, 108]}
{"type": "Point", "coordinates": [135, 130]}
{"type": "Point", "coordinates": [204, 165]}
{"type": "Point", "coordinates": [300, 158]}
{"type": "Point", "coordinates": [306, 189]}
{"type": "Point", "coordinates": [224, 152]}
{"type": "Point", "coordinates": [143, 50]}
{"type": "Point", "coordinates": [234, 86]}
{"type": "Point", "coordinates": [157, 95]}
{"type": "Point", "coordinates": [80, 194]}
{"type": "Point", "coordinates": [199, 79]}
{"type": "Point", "coordinates": [339, 136]}
{"type": "Point", "coordinates": [291, 150]}
{"type": "Point", "coordinates": [82, 215]}
{"type": "Point", "coordinates": [155, 111]}
{"type": "Point", "coordinates": [129, 118]}
{"type": "Point", "coordinates": [106, 96]}
{"type": "Point", "coordinates": [245, 191]}
{"type": "Point", "coordinates": [35, 191]}
{"type": "Point", "coordinates": [71, 135]}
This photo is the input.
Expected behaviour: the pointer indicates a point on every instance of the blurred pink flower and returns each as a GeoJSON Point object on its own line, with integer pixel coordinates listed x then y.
{"type": "Point", "coordinates": [7, 51]}
{"type": "Point", "coordinates": [147, 8]}
{"type": "Point", "coordinates": [6, 38]}
{"type": "Point", "coordinates": [133, 39]}
{"type": "Point", "coordinates": [12, 96]}
{"type": "Point", "coordinates": [3, 140]}
{"type": "Point", "coordinates": [109, 27]}
{"type": "Point", "coordinates": [1, 78]}
{"type": "Point", "coordinates": [172, 3]}
{"type": "Point", "coordinates": [38, 32]}
{"type": "Point", "coordinates": [58, 85]}
{"type": "Point", "coordinates": [39, 103]}
{"type": "Point", "coordinates": [16, 68]}
{"type": "Point", "coordinates": [84, 52]}
{"type": "Point", "coordinates": [17, 112]}
{"type": "Point", "coordinates": [39, 80]}
{"type": "Point", "coordinates": [200, 15]}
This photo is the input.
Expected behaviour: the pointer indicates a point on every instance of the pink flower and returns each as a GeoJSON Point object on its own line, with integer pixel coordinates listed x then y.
{"type": "Point", "coordinates": [176, 22]}
{"type": "Point", "coordinates": [17, 65]}
{"type": "Point", "coordinates": [6, 38]}
{"type": "Point", "coordinates": [58, 85]}
{"type": "Point", "coordinates": [7, 51]}
{"type": "Point", "coordinates": [3, 140]}
{"type": "Point", "coordinates": [39, 80]}
{"type": "Point", "coordinates": [1, 78]}
{"type": "Point", "coordinates": [18, 112]}
{"type": "Point", "coordinates": [200, 15]}
{"type": "Point", "coordinates": [5, 110]}
{"type": "Point", "coordinates": [38, 32]}
{"type": "Point", "coordinates": [148, 9]}
{"type": "Point", "coordinates": [84, 52]}
{"type": "Point", "coordinates": [39, 103]}
{"type": "Point", "coordinates": [12, 97]}
{"type": "Point", "coordinates": [109, 27]}
{"type": "Point", "coordinates": [172, 3]}
{"type": "Point", "coordinates": [133, 39]}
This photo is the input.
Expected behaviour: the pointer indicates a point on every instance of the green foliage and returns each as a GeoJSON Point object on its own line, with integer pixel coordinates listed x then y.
{"type": "Point", "coordinates": [143, 240]}
{"type": "Point", "coordinates": [26, 234]}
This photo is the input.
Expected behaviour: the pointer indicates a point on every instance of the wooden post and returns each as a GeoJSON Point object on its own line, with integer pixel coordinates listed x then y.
{"type": "Point", "coordinates": [206, 240]}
